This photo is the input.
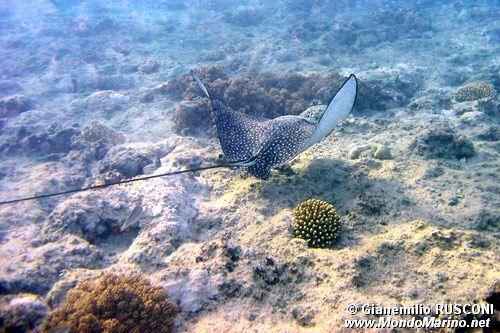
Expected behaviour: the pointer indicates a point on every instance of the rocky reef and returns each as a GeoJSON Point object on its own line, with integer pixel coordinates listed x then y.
{"type": "Point", "coordinates": [14, 105]}
{"type": "Point", "coordinates": [443, 143]}
{"type": "Point", "coordinates": [268, 95]}
{"type": "Point", "coordinates": [22, 312]}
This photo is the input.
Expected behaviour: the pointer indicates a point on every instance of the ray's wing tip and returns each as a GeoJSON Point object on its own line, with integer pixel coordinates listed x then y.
{"type": "Point", "coordinates": [353, 76]}
{"type": "Point", "coordinates": [356, 92]}
{"type": "Point", "coordinates": [199, 83]}
{"type": "Point", "coordinates": [355, 79]}
{"type": "Point", "coordinates": [193, 74]}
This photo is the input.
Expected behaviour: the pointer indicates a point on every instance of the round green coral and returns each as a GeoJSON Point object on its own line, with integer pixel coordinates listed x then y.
{"type": "Point", "coordinates": [317, 222]}
{"type": "Point", "coordinates": [474, 91]}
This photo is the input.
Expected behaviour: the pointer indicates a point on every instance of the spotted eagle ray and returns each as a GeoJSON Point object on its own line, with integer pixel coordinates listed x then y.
{"type": "Point", "coordinates": [256, 144]}
{"type": "Point", "coordinates": [260, 145]}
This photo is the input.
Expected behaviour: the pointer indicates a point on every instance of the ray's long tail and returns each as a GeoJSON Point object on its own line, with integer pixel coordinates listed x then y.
{"type": "Point", "coordinates": [125, 181]}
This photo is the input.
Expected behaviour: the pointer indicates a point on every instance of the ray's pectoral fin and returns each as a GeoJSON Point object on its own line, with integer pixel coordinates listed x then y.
{"type": "Point", "coordinates": [338, 109]}
{"type": "Point", "coordinates": [240, 135]}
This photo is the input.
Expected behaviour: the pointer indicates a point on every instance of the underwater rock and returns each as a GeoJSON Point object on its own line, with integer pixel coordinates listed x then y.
{"type": "Point", "coordinates": [384, 88]}
{"type": "Point", "coordinates": [148, 66]}
{"type": "Point", "coordinates": [491, 107]}
{"type": "Point", "coordinates": [473, 118]}
{"type": "Point", "coordinates": [128, 160]}
{"type": "Point", "coordinates": [444, 240]}
{"type": "Point", "coordinates": [214, 56]}
{"type": "Point", "coordinates": [13, 105]}
{"type": "Point", "coordinates": [487, 220]}
{"type": "Point", "coordinates": [40, 266]}
{"type": "Point", "coordinates": [94, 25]}
{"type": "Point", "coordinates": [221, 252]}
{"type": "Point", "coordinates": [59, 142]}
{"type": "Point", "coordinates": [367, 271]}
{"type": "Point", "coordinates": [371, 204]}
{"type": "Point", "coordinates": [210, 280]}
{"type": "Point", "coordinates": [398, 23]}
{"type": "Point", "coordinates": [193, 117]}
{"type": "Point", "coordinates": [433, 171]}
{"type": "Point", "coordinates": [286, 56]}
{"type": "Point", "coordinates": [477, 241]}
{"type": "Point", "coordinates": [98, 139]}
{"type": "Point", "coordinates": [146, 97]}
{"type": "Point", "coordinates": [244, 17]}
{"type": "Point", "coordinates": [105, 103]}
{"type": "Point", "coordinates": [474, 91]}
{"type": "Point", "coordinates": [268, 272]}
{"type": "Point", "coordinates": [489, 133]}
{"type": "Point", "coordinates": [21, 312]}
{"type": "Point", "coordinates": [38, 140]}
{"type": "Point", "coordinates": [442, 143]}
{"type": "Point", "coordinates": [377, 151]}
{"type": "Point", "coordinates": [187, 160]}
{"type": "Point", "coordinates": [92, 216]}
{"type": "Point", "coordinates": [8, 87]}
{"type": "Point", "coordinates": [304, 316]}
{"type": "Point", "coordinates": [169, 221]}
{"type": "Point", "coordinates": [314, 113]}
{"type": "Point", "coordinates": [268, 276]}
{"type": "Point", "coordinates": [112, 82]}
{"type": "Point", "coordinates": [199, 288]}
{"type": "Point", "coordinates": [309, 30]}
{"type": "Point", "coordinates": [339, 37]}
{"type": "Point", "coordinates": [433, 100]}
{"type": "Point", "coordinates": [462, 108]}
{"type": "Point", "coordinates": [382, 153]}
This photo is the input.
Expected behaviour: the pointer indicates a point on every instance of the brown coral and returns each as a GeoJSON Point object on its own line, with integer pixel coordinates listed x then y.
{"type": "Point", "coordinates": [192, 117]}
{"type": "Point", "coordinates": [247, 94]}
{"type": "Point", "coordinates": [184, 87]}
{"type": "Point", "coordinates": [264, 95]}
{"type": "Point", "coordinates": [115, 303]}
